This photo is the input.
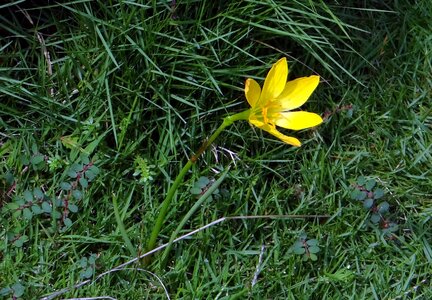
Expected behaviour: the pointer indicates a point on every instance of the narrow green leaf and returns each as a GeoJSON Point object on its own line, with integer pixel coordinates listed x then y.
{"type": "Point", "coordinates": [122, 228]}
{"type": "Point", "coordinates": [106, 46]}
{"type": "Point", "coordinates": [111, 112]}
{"type": "Point", "coordinates": [189, 214]}
{"type": "Point", "coordinates": [92, 146]}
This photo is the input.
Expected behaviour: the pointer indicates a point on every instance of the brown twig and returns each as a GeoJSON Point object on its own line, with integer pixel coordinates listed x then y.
{"type": "Point", "coordinates": [338, 109]}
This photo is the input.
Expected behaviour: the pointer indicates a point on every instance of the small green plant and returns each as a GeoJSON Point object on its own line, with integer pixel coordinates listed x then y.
{"type": "Point", "coordinates": [202, 185]}
{"type": "Point", "coordinates": [36, 202]}
{"type": "Point", "coordinates": [36, 161]}
{"type": "Point", "coordinates": [55, 162]}
{"type": "Point", "coordinates": [366, 191]}
{"type": "Point", "coordinates": [308, 248]}
{"type": "Point", "coordinates": [143, 169]}
{"type": "Point", "coordinates": [79, 175]}
{"type": "Point", "coordinates": [88, 266]}
{"type": "Point", "coordinates": [16, 290]}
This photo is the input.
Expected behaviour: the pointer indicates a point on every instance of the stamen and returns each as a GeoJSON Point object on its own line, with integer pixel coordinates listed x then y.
{"type": "Point", "coordinates": [264, 113]}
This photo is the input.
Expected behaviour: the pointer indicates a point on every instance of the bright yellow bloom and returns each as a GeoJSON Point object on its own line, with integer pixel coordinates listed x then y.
{"type": "Point", "coordinates": [272, 105]}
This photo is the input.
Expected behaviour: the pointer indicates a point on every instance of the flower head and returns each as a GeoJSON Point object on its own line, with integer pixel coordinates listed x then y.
{"type": "Point", "coordinates": [271, 106]}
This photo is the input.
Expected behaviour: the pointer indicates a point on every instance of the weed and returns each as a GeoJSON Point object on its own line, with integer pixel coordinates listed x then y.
{"type": "Point", "coordinates": [366, 191]}
{"type": "Point", "coordinates": [51, 209]}
{"type": "Point", "coordinates": [88, 266]}
{"type": "Point", "coordinates": [144, 170]}
{"type": "Point", "coordinates": [308, 248]}
{"type": "Point", "coordinates": [16, 290]}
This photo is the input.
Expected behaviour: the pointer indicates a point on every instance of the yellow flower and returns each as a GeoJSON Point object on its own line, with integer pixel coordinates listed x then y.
{"type": "Point", "coordinates": [271, 106]}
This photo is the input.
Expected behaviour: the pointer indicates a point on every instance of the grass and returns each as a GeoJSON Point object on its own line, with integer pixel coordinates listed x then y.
{"type": "Point", "coordinates": [117, 81]}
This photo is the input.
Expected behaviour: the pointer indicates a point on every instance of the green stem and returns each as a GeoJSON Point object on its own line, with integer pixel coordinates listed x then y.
{"type": "Point", "coordinates": [179, 179]}
{"type": "Point", "coordinates": [189, 214]}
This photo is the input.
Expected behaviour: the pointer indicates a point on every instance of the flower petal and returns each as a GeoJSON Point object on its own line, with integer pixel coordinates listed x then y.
{"type": "Point", "coordinates": [275, 81]}
{"type": "Point", "coordinates": [258, 122]}
{"type": "Point", "coordinates": [296, 92]}
{"type": "Point", "coordinates": [297, 120]}
{"type": "Point", "coordinates": [287, 139]}
{"type": "Point", "coordinates": [272, 130]}
{"type": "Point", "coordinates": [252, 91]}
